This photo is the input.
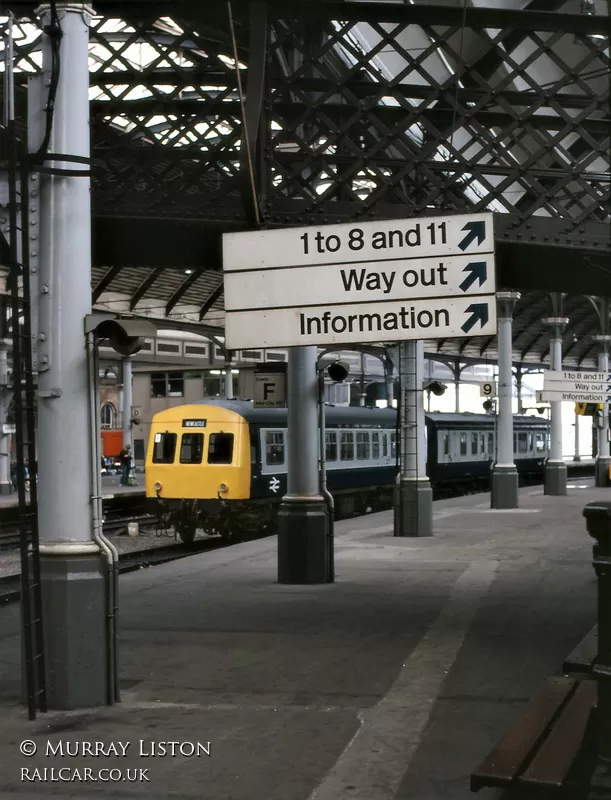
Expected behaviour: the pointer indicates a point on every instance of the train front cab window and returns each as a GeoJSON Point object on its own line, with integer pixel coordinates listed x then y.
{"type": "Point", "coordinates": [164, 448]}
{"type": "Point", "coordinates": [274, 447]}
{"type": "Point", "coordinates": [220, 448]}
{"type": "Point", "coordinates": [191, 448]}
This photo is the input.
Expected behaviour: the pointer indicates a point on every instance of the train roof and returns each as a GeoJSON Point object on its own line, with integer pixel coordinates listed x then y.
{"type": "Point", "coordinates": [349, 415]}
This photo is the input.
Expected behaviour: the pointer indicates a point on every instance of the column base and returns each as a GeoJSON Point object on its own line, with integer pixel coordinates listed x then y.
{"type": "Point", "coordinates": [504, 487]}
{"type": "Point", "coordinates": [601, 471]}
{"type": "Point", "coordinates": [6, 488]}
{"type": "Point", "coordinates": [413, 509]}
{"type": "Point", "coordinates": [600, 783]}
{"type": "Point", "coordinates": [74, 592]}
{"type": "Point", "coordinates": [304, 542]}
{"type": "Point", "coordinates": [555, 479]}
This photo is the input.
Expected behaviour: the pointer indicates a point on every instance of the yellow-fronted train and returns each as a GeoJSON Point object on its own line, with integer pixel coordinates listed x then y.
{"type": "Point", "coordinates": [221, 465]}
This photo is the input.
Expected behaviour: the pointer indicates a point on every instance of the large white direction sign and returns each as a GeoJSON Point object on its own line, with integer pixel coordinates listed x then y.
{"type": "Point", "coordinates": [374, 281]}
{"type": "Point", "coordinates": [362, 322]}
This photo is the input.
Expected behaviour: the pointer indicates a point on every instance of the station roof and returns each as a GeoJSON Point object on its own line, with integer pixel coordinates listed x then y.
{"type": "Point", "coordinates": [390, 110]}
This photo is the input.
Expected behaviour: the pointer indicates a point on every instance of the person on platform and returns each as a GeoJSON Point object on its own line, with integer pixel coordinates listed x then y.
{"type": "Point", "coordinates": [125, 456]}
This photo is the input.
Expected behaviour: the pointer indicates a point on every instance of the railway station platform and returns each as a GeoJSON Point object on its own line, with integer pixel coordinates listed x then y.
{"type": "Point", "coordinates": [110, 486]}
{"type": "Point", "coordinates": [392, 683]}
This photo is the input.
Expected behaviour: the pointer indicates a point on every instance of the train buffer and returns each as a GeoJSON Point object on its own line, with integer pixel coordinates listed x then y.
{"type": "Point", "coordinates": [545, 747]}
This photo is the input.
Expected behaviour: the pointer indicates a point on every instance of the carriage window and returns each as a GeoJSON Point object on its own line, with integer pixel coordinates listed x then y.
{"type": "Point", "coordinates": [164, 448]}
{"type": "Point", "coordinates": [446, 443]}
{"type": "Point", "coordinates": [482, 444]}
{"type": "Point", "coordinates": [346, 446]}
{"type": "Point", "coordinates": [384, 445]}
{"type": "Point", "coordinates": [522, 442]}
{"type": "Point", "coordinates": [220, 448]}
{"type": "Point", "coordinates": [375, 445]}
{"type": "Point", "coordinates": [491, 444]}
{"type": "Point", "coordinates": [515, 443]}
{"type": "Point", "coordinates": [330, 446]}
{"type": "Point", "coordinates": [463, 444]}
{"type": "Point", "coordinates": [474, 444]}
{"type": "Point", "coordinates": [191, 448]}
{"type": "Point", "coordinates": [393, 445]}
{"type": "Point", "coordinates": [362, 446]}
{"type": "Point", "coordinates": [531, 445]}
{"type": "Point", "coordinates": [540, 443]}
{"type": "Point", "coordinates": [274, 447]}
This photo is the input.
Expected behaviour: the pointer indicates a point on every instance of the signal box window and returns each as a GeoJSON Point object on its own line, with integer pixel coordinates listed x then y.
{"type": "Point", "coordinates": [220, 448]}
{"type": "Point", "coordinates": [330, 446]}
{"type": "Point", "coordinates": [362, 446]}
{"type": "Point", "coordinates": [158, 384]}
{"type": "Point", "coordinates": [164, 448]}
{"type": "Point", "coordinates": [191, 448]}
{"type": "Point", "coordinates": [346, 446]}
{"type": "Point", "coordinates": [274, 447]}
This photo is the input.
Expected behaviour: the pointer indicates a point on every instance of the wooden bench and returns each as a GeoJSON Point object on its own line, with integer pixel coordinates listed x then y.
{"type": "Point", "coordinates": [542, 746]}
{"type": "Point", "coordinates": [583, 656]}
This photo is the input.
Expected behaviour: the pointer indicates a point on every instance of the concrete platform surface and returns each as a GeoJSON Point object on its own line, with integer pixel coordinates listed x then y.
{"type": "Point", "coordinates": [110, 486]}
{"type": "Point", "coordinates": [393, 683]}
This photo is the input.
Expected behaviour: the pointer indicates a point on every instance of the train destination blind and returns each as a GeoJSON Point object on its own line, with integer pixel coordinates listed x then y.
{"type": "Point", "coordinates": [375, 281]}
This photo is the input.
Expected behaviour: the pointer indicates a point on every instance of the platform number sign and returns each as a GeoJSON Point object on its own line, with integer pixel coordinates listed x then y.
{"type": "Point", "coordinates": [487, 389]}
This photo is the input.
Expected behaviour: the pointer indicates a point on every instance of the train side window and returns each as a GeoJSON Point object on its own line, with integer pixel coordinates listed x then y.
{"type": "Point", "coordinates": [515, 443]}
{"type": "Point", "coordinates": [164, 448]}
{"type": "Point", "coordinates": [474, 444]}
{"type": "Point", "coordinates": [531, 446]}
{"type": "Point", "coordinates": [362, 445]}
{"type": "Point", "coordinates": [375, 445]}
{"type": "Point", "coordinates": [393, 444]}
{"type": "Point", "coordinates": [491, 445]}
{"type": "Point", "coordinates": [191, 448]}
{"type": "Point", "coordinates": [446, 443]}
{"type": "Point", "coordinates": [274, 447]}
{"type": "Point", "coordinates": [330, 446]}
{"type": "Point", "coordinates": [482, 444]}
{"type": "Point", "coordinates": [346, 446]}
{"type": "Point", "coordinates": [540, 442]}
{"type": "Point", "coordinates": [220, 448]}
{"type": "Point", "coordinates": [522, 442]}
{"type": "Point", "coordinates": [384, 444]}
{"type": "Point", "coordinates": [463, 444]}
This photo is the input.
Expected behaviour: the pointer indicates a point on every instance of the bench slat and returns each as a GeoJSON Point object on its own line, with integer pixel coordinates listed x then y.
{"type": "Point", "coordinates": [582, 657]}
{"type": "Point", "coordinates": [552, 763]}
{"type": "Point", "coordinates": [502, 765]}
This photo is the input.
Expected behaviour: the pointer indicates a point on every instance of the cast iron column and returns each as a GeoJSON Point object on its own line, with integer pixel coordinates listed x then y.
{"type": "Point", "coordinates": [504, 492]}
{"type": "Point", "coordinates": [73, 571]}
{"type": "Point", "coordinates": [598, 522]}
{"type": "Point", "coordinates": [389, 378]}
{"type": "Point", "coordinates": [414, 496]}
{"type": "Point", "coordinates": [555, 468]}
{"type": "Point", "coordinates": [303, 529]}
{"type": "Point", "coordinates": [127, 401]}
{"type": "Point", "coordinates": [603, 459]}
{"type": "Point", "coordinates": [5, 450]}
{"type": "Point", "coordinates": [576, 457]}
{"type": "Point", "coordinates": [228, 381]}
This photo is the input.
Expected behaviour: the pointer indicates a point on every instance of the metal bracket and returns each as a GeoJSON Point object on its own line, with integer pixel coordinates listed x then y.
{"type": "Point", "coordinates": [50, 393]}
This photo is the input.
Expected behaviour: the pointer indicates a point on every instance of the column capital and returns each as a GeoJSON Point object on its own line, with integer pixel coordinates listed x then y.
{"type": "Point", "coordinates": [84, 9]}
{"type": "Point", "coordinates": [505, 302]}
{"type": "Point", "coordinates": [602, 338]}
{"type": "Point", "coordinates": [558, 321]}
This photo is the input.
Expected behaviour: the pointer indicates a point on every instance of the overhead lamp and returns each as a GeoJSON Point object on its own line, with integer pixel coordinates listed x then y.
{"type": "Point", "coordinates": [436, 387]}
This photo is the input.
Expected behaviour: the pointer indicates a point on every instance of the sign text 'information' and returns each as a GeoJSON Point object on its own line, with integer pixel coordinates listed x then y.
{"type": "Point", "coordinates": [376, 281]}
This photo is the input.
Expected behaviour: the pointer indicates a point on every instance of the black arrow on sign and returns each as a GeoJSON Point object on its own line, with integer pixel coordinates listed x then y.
{"type": "Point", "coordinates": [478, 311]}
{"type": "Point", "coordinates": [476, 229]}
{"type": "Point", "coordinates": [477, 269]}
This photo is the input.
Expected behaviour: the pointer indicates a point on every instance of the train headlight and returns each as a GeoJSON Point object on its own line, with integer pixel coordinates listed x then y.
{"type": "Point", "coordinates": [223, 487]}
{"type": "Point", "coordinates": [157, 487]}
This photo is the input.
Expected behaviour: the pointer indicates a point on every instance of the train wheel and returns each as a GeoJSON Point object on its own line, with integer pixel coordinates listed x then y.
{"type": "Point", "coordinates": [185, 523]}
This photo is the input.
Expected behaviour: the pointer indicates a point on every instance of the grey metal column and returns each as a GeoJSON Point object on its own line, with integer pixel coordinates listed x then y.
{"type": "Point", "coordinates": [414, 496]}
{"type": "Point", "coordinates": [363, 394]}
{"type": "Point", "coordinates": [519, 376]}
{"type": "Point", "coordinates": [457, 388]}
{"type": "Point", "coordinates": [5, 450]}
{"type": "Point", "coordinates": [303, 528]}
{"type": "Point", "coordinates": [603, 459]}
{"type": "Point", "coordinates": [127, 402]}
{"type": "Point", "coordinates": [389, 377]}
{"type": "Point", "coordinates": [555, 468]}
{"type": "Point", "coordinates": [504, 492]}
{"type": "Point", "coordinates": [576, 457]}
{"type": "Point", "coordinates": [228, 379]}
{"type": "Point", "coordinates": [73, 571]}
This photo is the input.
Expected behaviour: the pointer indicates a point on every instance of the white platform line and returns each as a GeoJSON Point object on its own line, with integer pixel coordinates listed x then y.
{"type": "Point", "coordinates": [378, 756]}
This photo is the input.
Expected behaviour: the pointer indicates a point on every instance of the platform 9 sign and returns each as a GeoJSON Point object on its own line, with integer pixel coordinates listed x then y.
{"type": "Point", "coordinates": [487, 389]}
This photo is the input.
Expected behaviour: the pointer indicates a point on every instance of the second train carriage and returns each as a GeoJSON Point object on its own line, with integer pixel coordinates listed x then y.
{"type": "Point", "coordinates": [222, 462]}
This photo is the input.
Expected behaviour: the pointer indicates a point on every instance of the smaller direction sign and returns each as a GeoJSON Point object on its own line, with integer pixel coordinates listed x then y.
{"type": "Point", "coordinates": [559, 396]}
